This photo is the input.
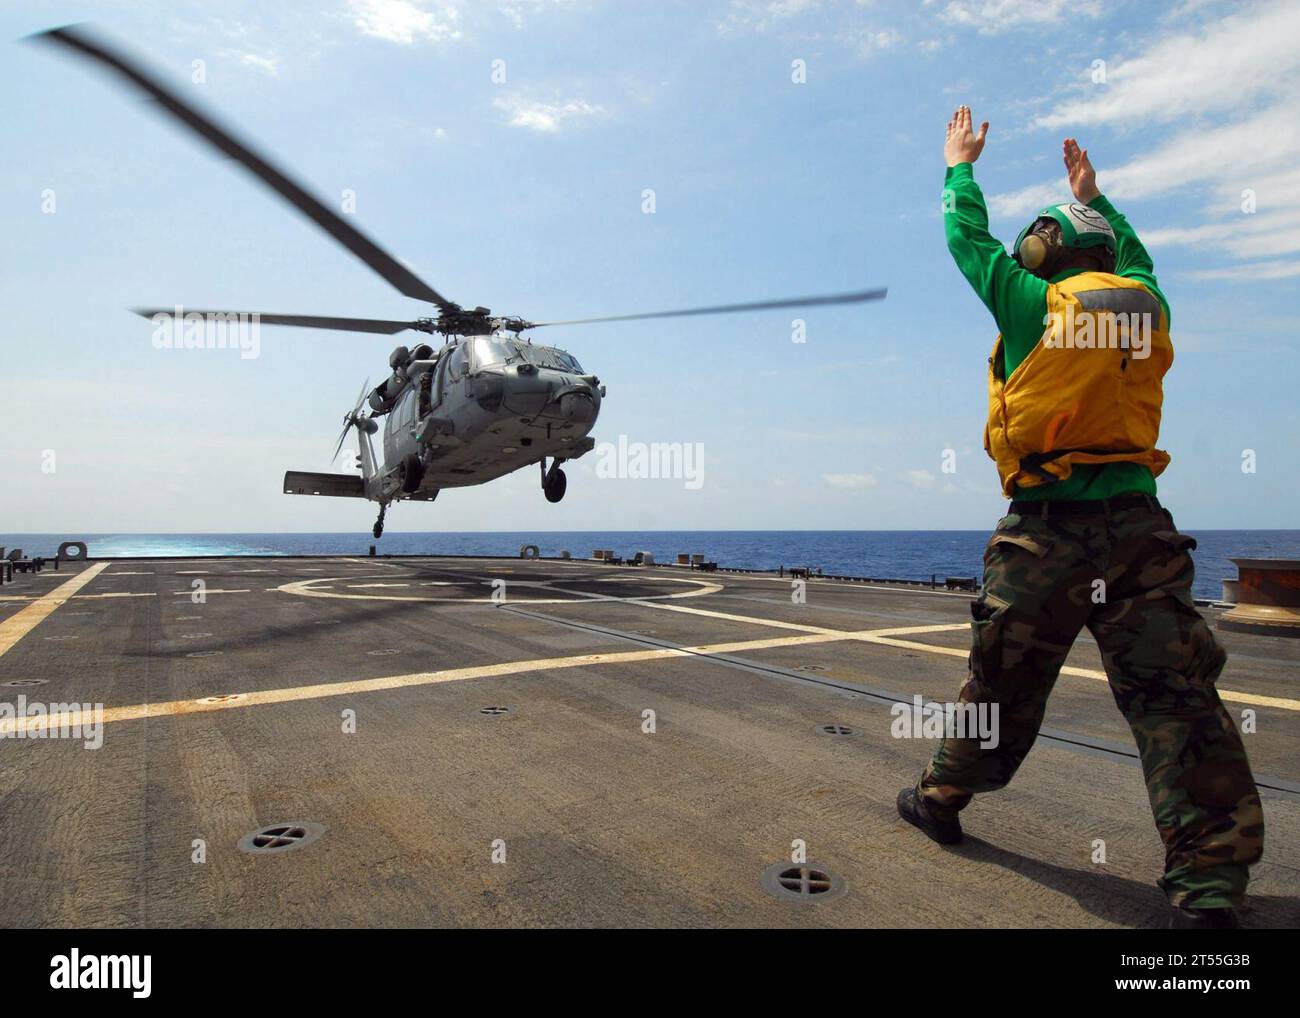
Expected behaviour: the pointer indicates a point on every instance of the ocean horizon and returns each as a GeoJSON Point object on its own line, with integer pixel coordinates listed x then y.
{"type": "Point", "coordinates": [892, 554]}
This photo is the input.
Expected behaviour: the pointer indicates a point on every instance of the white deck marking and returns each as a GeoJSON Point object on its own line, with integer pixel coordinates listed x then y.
{"type": "Point", "coordinates": [308, 588]}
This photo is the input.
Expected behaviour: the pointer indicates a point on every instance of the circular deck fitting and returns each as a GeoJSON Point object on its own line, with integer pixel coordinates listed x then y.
{"type": "Point", "coordinates": [810, 668]}
{"type": "Point", "coordinates": [806, 883]}
{"type": "Point", "coordinates": [279, 838]}
{"type": "Point", "coordinates": [494, 711]}
{"type": "Point", "coordinates": [72, 551]}
{"type": "Point", "coordinates": [840, 731]}
{"type": "Point", "coordinates": [20, 683]}
{"type": "Point", "coordinates": [223, 698]}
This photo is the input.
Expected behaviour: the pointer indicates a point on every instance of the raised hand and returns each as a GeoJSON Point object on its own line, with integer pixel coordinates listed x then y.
{"type": "Point", "coordinates": [1078, 167]}
{"type": "Point", "coordinates": [963, 144]}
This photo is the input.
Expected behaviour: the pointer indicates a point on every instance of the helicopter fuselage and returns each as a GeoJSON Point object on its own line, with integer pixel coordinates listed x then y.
{"type": "Point", "coordinates": [482, 407]}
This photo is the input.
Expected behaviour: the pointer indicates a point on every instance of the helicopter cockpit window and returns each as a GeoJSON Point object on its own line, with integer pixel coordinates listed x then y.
{"type": "Point", "coordinates": [489, 350]}
{"type": "Point", "coordinates": [549, 357]}
{"type": "Point", "coordinates": [458, 363]}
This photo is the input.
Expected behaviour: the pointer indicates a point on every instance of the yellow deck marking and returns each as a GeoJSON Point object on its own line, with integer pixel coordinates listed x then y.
{"type": "Point", "coordinates": [173, 708]}
{"type": "Point", "coordinates": [23, 622]}
{"type": "Point", "coordinates": [9, 726]}
{"type": "Point", "coordinates": [1235, 696]}
{"type": "Point", "coordinates": [883, 637]}
{"type": "Point", "coordinates": [811, 635]}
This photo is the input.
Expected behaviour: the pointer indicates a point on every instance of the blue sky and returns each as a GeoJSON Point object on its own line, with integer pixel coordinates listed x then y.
{"type": "Point", "coordinates": [526, 196]}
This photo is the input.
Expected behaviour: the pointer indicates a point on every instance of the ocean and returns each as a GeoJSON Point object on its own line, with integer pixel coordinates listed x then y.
{"type": "Point", "coordinates": [892, 554]}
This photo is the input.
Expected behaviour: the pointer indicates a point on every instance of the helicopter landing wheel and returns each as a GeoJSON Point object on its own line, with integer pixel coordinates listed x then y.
{"type": "Point", "coordinates": [411, 473]}
{"type": "Point", "coordinates": [555, 484]}
{"type": "Point", "coordinates": [378, 528]}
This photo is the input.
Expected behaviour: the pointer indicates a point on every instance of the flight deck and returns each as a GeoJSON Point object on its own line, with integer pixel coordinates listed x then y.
{"type": "Point", "coordinates": [332, 741]}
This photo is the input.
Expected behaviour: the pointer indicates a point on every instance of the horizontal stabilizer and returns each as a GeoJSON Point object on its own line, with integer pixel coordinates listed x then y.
{"type": "Point", "coordinates": [301, 482]}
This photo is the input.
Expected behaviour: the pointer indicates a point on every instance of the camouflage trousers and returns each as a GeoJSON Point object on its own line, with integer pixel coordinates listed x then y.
{"type": "Point", "coordinates": [1127, 576]}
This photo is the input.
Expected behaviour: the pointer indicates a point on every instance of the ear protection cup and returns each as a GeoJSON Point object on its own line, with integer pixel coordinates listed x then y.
{"type": "Point", "coordinates": [1032, 251]}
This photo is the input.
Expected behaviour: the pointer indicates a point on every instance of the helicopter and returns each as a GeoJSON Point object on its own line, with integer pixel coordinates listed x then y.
{"type": "Point", "coordinates": [485, 403]}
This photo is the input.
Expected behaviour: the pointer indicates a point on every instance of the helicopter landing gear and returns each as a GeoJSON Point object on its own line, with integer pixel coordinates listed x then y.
{"type": "Point", "coordinates": [378, 528]}
{"type": "Point", "coordinates": [411, 473]}
{"type": "Point", "coordinates": [554, 482]}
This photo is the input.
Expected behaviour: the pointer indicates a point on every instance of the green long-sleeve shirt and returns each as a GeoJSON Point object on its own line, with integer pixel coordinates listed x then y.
{"type": "Point", "coordinates": [1018, 301]}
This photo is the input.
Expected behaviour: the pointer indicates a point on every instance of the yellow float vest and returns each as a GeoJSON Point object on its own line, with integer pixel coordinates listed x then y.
{"type": "Point", "coordinates": [1089, 391]}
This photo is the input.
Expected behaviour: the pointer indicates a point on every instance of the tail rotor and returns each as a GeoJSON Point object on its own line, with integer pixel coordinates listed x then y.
{"type": "Point", "coordinates": [352, 419]}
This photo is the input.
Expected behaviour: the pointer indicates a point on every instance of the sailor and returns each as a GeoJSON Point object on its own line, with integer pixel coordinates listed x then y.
{"type": "Point", "coordinates": [1072, 426]}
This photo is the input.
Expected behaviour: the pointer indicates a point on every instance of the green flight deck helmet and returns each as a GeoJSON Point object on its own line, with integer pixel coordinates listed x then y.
{"type": "Point", "coordinates": [1076, 226]}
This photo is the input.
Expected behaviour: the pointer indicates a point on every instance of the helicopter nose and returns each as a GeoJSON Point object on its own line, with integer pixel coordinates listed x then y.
{"type": "Point", "coordinates": [579, 407]}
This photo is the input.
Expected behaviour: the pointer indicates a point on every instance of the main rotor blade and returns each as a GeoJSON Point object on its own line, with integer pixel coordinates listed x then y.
{"type": "Point", "coordinates": [81, 40]}
{"type": "Point", "coordinates": [375, 325]}
{"type": "Point", "coordinates": [722, 309]}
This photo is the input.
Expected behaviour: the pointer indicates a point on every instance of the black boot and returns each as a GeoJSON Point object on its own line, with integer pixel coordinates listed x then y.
{"type": "Point", "coordinates": [913, 809]}
{"type": "Point", "coordinates": [1203, 919]}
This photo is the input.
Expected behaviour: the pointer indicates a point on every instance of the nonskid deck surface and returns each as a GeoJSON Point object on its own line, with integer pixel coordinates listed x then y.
{"type": "Point", "coordinates": [662, 743]}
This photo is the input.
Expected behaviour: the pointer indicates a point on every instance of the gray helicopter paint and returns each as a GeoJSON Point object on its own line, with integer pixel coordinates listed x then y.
{"type": "Point", "coordinates": [542, 412]}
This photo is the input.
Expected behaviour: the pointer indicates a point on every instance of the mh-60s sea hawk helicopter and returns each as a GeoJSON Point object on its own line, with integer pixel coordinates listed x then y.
{"type": "Point", "coordinates": [484, 404]}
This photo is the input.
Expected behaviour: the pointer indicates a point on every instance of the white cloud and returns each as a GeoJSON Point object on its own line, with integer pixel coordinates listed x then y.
{"type": "Point", "coordinates": [849, 482]}
{"type": "Point", "coordinates": [406, 21]}
{"type": "Point", "coordinates": [866, 41]}
{"type": "Point", "coordinates": [791, 20]}
{"type": "Point", "coordinates": [992, 17]}
{"type": "Point", "coordinates": [519, 11]}
{"type": "Point", "coordinates": [923, 480]}
{"type": "Point", "coordinates": [546, 117]}
{"type": "Point", "coordinates": [760, 15]}
{"type": "Point", "coordinates": [1230, 95]}
{"type": "Point", "coordinates": [267, 65]}
{"type": "Point", "coordinates": [1225, 67]}
{"type": "Point", "coordinates": [1256, 272]}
